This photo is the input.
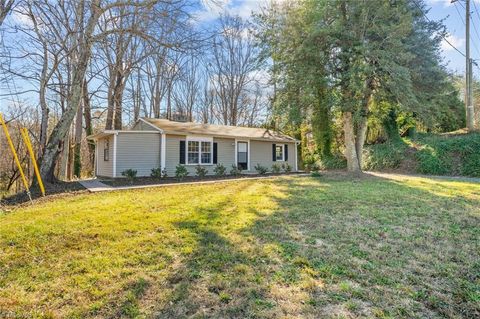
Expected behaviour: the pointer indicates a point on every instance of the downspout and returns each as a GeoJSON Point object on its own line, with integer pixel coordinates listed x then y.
{"type": "Point", "coordinates": [163, 152]}
{"type": "Point", "coordinates": [296, 156]}
{"type": "Point", "coordinates": [115, 154]}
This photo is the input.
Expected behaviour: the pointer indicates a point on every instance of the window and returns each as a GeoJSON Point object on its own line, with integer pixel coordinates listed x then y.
{"type": "Point", "coordinates": [206, 152]}
{"type": "Point", "coordinates": [106, 150]}
{"type": "Point", "coordinates": [193, 152]}
{"type": "Point", "coordinates": [199, 152]}
{"type": "Point", "coordinates": [279, 152]}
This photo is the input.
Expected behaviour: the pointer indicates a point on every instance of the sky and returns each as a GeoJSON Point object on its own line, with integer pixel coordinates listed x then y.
{"type": "Point", "coordinates": [453, 15]}
{"type": "Point", "coordinates": [454, 19]}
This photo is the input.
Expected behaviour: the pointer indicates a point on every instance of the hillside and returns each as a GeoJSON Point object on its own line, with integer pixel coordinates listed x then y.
{"type": "Point", "coordinates": [454, 154]}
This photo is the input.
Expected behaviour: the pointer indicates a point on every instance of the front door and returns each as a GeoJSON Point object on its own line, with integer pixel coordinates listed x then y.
{"type": "Point", "coordinates": [242, 155]}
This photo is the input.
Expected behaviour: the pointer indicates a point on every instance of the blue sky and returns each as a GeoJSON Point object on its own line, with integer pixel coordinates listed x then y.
{"type": "Point", "coordinates": [454, 15]}
{"type": "Point", "coordinates": [440, 9]}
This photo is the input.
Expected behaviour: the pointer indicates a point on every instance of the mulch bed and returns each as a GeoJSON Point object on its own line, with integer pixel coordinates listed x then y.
{"type": "Point", "coordinates": [55, 190]}
{"type": "Point", "coordinates": [118, 182]}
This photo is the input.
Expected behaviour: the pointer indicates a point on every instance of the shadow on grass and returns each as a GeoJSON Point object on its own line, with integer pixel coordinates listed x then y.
{"type": "Point", "coordinates": [366, 247]}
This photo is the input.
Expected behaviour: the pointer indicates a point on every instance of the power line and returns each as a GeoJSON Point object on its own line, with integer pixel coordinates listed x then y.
{"type": "Point", "coordinates": [463, 21]}
{"type": "Point", "coordinates": [444, 38]}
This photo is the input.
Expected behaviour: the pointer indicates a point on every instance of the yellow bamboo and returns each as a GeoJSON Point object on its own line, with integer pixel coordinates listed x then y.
{"type": "Point", "coordinates": [28, 143]}
{"type": "Point", "coordinates": [14, 152]}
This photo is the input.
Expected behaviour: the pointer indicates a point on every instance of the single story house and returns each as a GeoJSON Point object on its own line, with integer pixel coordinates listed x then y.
{"type": "Point", "coordinates": [160, 143]}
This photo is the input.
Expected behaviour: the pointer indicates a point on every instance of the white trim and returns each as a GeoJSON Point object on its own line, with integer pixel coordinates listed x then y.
{"type": "Point", "coordinates": [296, 155]}
{"type": "Point", "coordinates": [248, 152]}
{"type": "Point", "coordinates": [248, 159]}
{"type": "Point", "coordinates": [95, 163]}
{"type": "Point", "coordinates": [163, 151]}
{"type": "Point", "coordinates": [114, 155]}
{"type": "Point", "coordinates": [150, 124]}
{"type": "Point", "coordinates": [200, 140]}
{"type": "Point", "coordinates": [283, 152]}
{"type": "Point", "coordinates": [235, 155]}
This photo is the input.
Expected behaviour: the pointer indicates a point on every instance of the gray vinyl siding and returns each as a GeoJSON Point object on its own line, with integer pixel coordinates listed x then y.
{"type": "Point", "coordinates": [225, 154]}
{"type": "Point", "coordinates": [261, 153]}
{"type": "Point", "coordinates": [105, 168]}
{"type": "Point", "coordinates": [142, 126]}
{"type": "Point", "coordinates": [138, 151]}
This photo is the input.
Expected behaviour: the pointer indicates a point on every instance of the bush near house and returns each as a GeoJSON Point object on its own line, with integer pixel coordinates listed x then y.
{"type": "Point", "coordinates": [276, 168]}
{"type": "Point", "coordinates": [262, 170]}
{"type": "Point", "coordinates": [181, 172]}
{"type": "Point", "coordinates": [236, 170]}
{"type": "Point", "coordinates": [287, 168]}
{"type": "Point", "coordinates": [220, 170]}
{"type": "Point", "coordinates": [156, 173]}
{"type": "Point", "coordinates": [130, 174]}
{"type": "Point", "coordinates": [201, 171]}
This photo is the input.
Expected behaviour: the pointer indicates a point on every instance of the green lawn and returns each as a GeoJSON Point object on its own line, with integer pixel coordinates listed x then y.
{"type": "Point", "coordinates": [292, 247]}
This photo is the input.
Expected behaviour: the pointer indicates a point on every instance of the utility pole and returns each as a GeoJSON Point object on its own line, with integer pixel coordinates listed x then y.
{"type": "Point", "coordinates": [468, 72]}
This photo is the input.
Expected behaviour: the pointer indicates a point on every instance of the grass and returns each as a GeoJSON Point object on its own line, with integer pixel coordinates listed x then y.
{"type": "Point", "coordinates": [289, 247]}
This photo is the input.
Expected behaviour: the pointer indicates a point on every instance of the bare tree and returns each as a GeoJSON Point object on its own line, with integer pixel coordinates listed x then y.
{"type": "Point", "coordinates": [232, 68]}
{"type": "Point", "coordinates": [5, 7]}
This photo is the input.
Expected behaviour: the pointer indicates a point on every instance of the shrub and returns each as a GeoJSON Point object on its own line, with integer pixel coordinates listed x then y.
{"type": "Point", "coordinates": [276, 168]}
{"type": "Point", "coordinates": [384, 156]}
{"type": "Point", "coordinates": [181, 172]}
{"type": "Point", "coordinates": [156, 173]}
{"type": "Point", "coordinates": [236, 170]}
{"type": "Point", "coordinates": [262, 170]}
{"type": "Point", "coordinates": [220, 170]}
{"type": "Point", "coordinates": [287, 168]}
{"type": "Point", "coordinates": [201, 171]}
{"type": "Point", "coordinates": [310, 162]}
{"type": "Point", "coordinates": [130, 174]}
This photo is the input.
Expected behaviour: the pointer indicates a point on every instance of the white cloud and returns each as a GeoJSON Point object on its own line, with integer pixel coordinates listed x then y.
{"type": "Point", "coordinates": [446, 3]}
{"type": "Point", "coordinates": [455, 41]}
{"type": "Point", "coordinates": [212, 9]}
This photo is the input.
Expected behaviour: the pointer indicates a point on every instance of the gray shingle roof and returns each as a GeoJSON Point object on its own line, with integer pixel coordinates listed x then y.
{"type": "Point", "coordinates": [185, 128]}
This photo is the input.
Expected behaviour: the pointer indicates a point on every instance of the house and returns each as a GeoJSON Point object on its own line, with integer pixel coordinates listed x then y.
{"type": "Point", "coordinates": [160, 143]}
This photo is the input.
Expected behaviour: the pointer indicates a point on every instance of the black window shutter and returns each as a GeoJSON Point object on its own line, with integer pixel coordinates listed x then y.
{"type": "Point", "coordinates": [182, 152]}
{"type": "Point", "coordinates": [274, 152]}
{"type": "Point", "coordinates": [286, 152]}
{"type": "Point", "coordinates": [215, 153]}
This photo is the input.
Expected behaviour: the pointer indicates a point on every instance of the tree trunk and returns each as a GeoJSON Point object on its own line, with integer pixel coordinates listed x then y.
{"type": "Point", "coordinates": [321, 126]}
{"type": "Point", "coordinates": [87, 114]}
{"type": "Point", "coordinates": [110, 106]}
{"type": "Point", "coordinates": [77, 147]}
{"type": "Point", "coordinates": [169, 101]}
{"type": "Point", "coordinates": [350, 150]}
{"type": "Point", "coordinates": [60, 130]}
{"type": "Point", "coordinates": [117, 97]}
{"type": "Point", "coordinates": [360, 137]}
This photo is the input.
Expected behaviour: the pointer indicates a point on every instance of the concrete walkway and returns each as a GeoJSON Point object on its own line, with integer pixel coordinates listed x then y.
{"type": "Point", "coordinates": [94, 185]}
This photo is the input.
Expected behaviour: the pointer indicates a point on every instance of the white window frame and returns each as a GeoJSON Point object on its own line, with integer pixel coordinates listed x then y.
{"type": "Point", "coordinates": [248, 152]}
{"type": "Point", "coordinates": [200, 140]}
{"type": "Point", "coordinates": [106, 147]}
{"type": "Point", "coordinates": [283, 153]}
